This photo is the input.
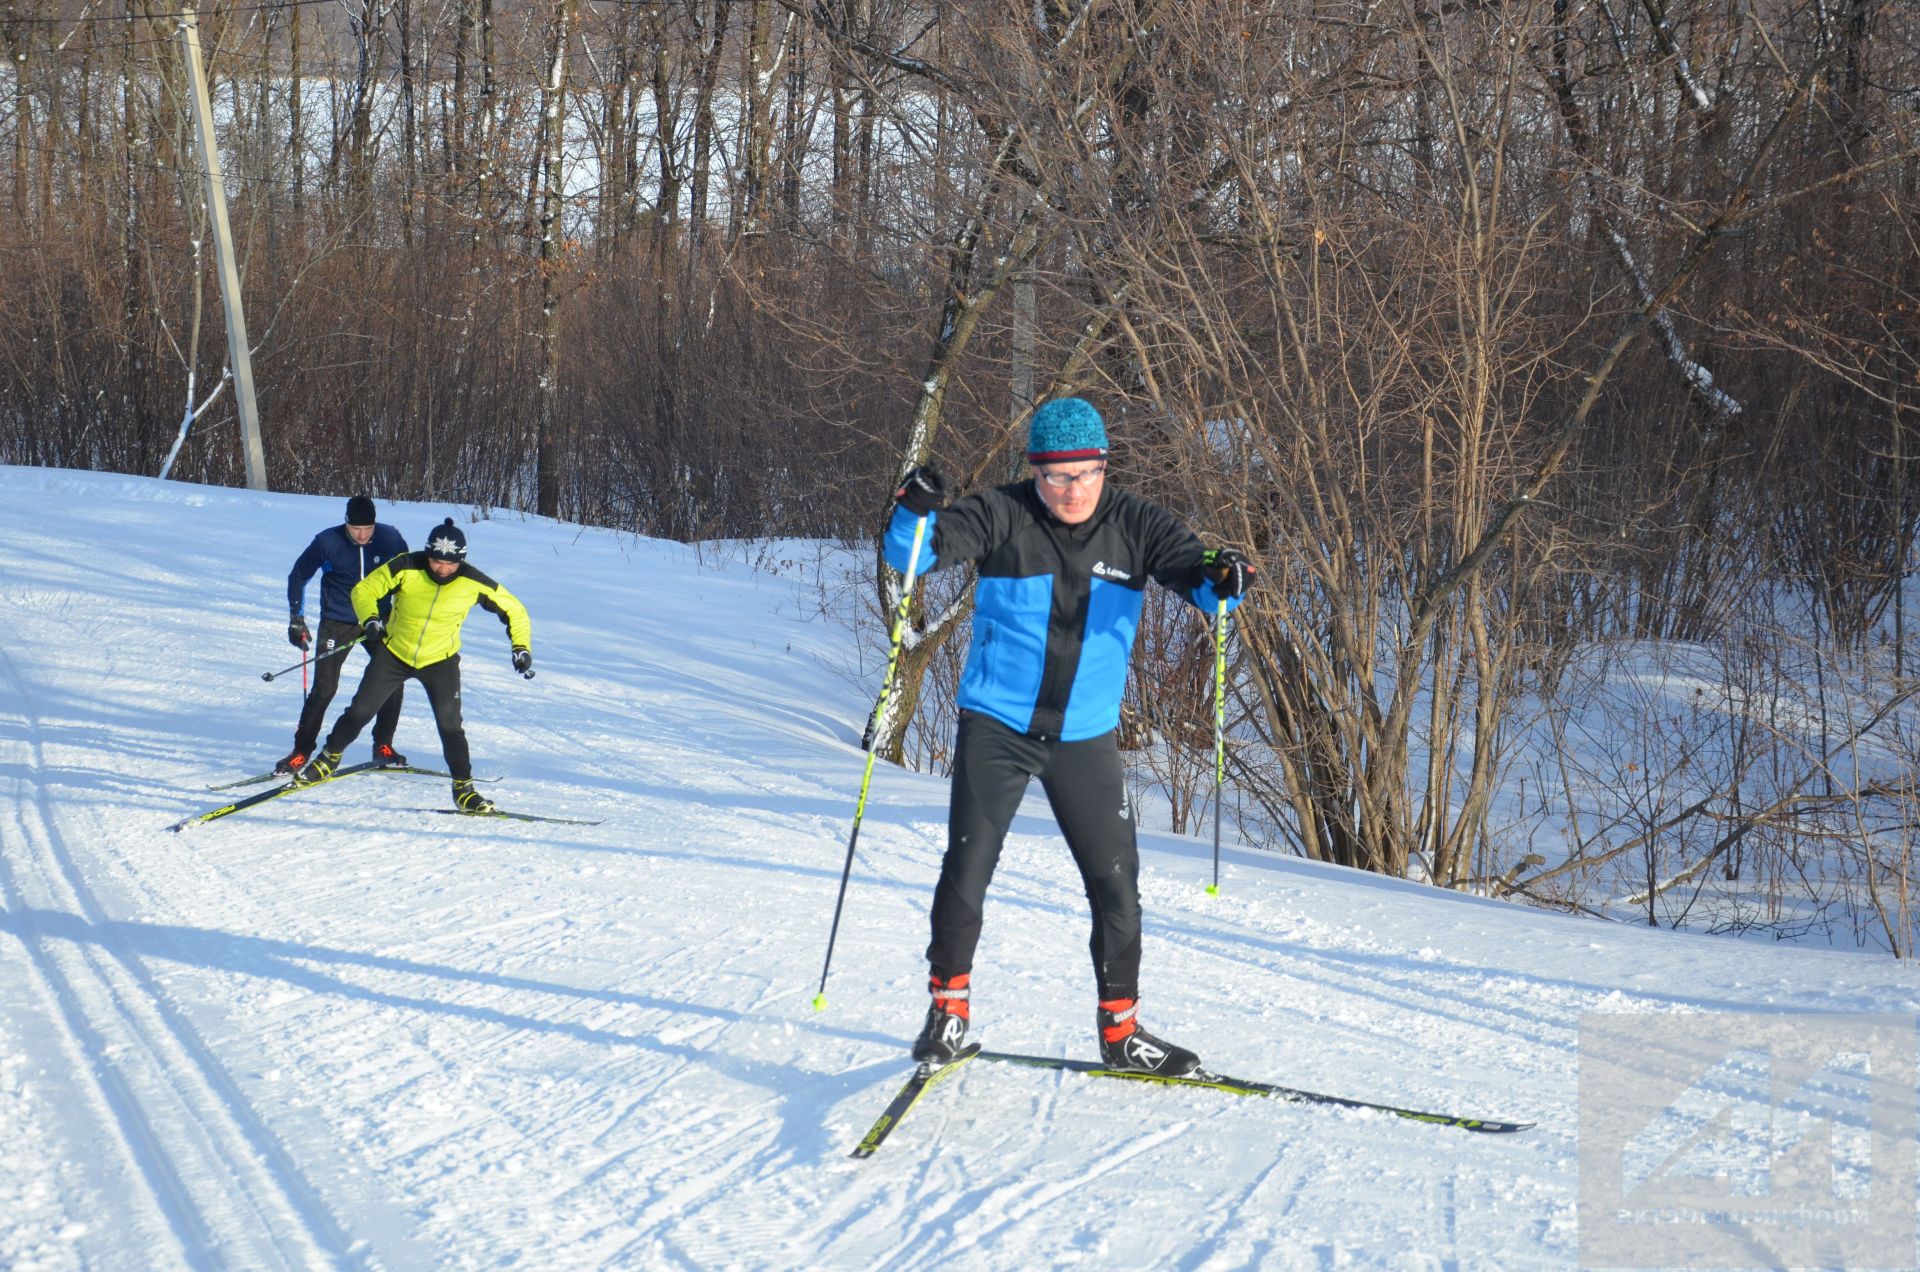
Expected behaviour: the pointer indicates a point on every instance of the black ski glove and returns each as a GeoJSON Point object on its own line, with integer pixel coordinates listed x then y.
{"type": "Point", "coordinates": [374, 630]}
{"type": "Point", "coordinates": [297, 634]}
{"type": "Point", "coordinates": [924, 491]}
{"type": "Point", "coordinates": [523, 661]}
{"type": "Point", "coordinates": [1230, 573]}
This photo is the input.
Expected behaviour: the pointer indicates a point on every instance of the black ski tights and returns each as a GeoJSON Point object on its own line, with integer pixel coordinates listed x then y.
{"type": "Point", "coordinates": [441, 680]}
{"type": "Point", "coordinates": [1086, 786]}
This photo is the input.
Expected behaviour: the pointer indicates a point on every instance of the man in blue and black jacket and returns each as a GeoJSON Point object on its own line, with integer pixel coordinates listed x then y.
{"type": "Point", "coordinates": [1063, 563]}
{"type": "Point", "coordinates": [342, 555]}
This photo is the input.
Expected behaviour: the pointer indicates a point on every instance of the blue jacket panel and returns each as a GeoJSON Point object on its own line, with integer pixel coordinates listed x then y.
{"type": "Point", "coordinates": [341, 563]}
{"type": "Point", "coordinates": [1113, 616]}
{"type": "Point", "coordinates": [1008, 655]}
{"type": "Point", "coordinates": [899, 542]}
{"type": "Point", "coordinates": [1056, 607]}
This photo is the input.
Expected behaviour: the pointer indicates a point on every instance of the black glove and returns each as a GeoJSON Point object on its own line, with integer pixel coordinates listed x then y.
{"type": "Point", "coordinates": [924, 491]}
{"type": "Point", "coordinates": [523, 661]}
{"type": "Point", "coordinates": [374, 630]}
{"type": "Point", "coordinates": [1230, 573]}
{"type": "Point", "coordinates": [297, 634]}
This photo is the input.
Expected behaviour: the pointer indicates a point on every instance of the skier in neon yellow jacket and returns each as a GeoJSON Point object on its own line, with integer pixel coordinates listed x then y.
{"type": "Point", "coordinates": [433, 592]}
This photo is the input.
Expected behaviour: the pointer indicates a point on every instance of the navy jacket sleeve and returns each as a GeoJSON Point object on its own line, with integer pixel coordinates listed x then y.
{"type": "Point", "coordinates": [304, 568]}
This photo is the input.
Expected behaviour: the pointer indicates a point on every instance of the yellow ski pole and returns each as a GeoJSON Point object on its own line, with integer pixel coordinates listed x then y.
{"type": "Point", "coordinates": [873, 736]}
{"type": "Point", "coordinates": [1219, 734]}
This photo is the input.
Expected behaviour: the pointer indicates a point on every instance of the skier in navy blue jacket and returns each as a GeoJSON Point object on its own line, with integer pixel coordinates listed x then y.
{"type": "Point", "coordinates": [342, 555]}
{"type": "Point", "coordinates": [1063, 563]}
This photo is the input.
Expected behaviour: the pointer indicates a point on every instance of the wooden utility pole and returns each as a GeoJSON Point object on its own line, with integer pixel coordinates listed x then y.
{"type": "Point", "coordinates": [238, 358]}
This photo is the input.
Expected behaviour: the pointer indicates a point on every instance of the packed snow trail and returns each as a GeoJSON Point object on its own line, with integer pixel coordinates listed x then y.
{"type": "Point", "coordinates": [212, 1181]}
{"type": "Point", "coordinates": [330, 1031]}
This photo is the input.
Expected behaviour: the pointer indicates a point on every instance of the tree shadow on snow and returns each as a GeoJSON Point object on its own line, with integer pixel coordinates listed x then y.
{"type": "Point", "coordinates": [291, 962]}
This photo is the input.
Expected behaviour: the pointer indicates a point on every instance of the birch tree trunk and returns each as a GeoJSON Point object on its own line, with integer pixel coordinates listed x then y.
{"type": "Point", "coordinates": [550, 433]}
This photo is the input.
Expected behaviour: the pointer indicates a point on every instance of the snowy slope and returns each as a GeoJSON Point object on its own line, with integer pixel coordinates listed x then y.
{"type": "Point", "coordinates": [336, 1030]}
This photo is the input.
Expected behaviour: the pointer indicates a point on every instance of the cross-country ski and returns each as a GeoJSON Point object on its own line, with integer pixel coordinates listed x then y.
{"type": "Point", "coordinates": [510, 814]}
{"type": "Point", "coordinates": [252, 801]}
{"type": "Point", "coordinates": [1243, 1086]}
{"type": "Point", "coordinates": [377, 768]}
{"type": "Point", "coordinates": [925, 1076]}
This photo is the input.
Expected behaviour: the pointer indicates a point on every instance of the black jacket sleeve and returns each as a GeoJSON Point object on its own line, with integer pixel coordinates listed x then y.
{"type": "Point", "coordinates": [972, 527]}
{"type": "Point", "coordinates": [1171, 551]}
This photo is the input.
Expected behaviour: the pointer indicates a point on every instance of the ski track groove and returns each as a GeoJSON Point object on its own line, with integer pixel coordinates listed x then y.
{"type": "Point", "coordinates": [1027, 1203]}
{"type": "Point", "coordinates": [1407, 996]}
{"type": "Point", "coordinates": [1306, 968]}
{"type": "Point", "coordinates": [1292, 1167]}
{"type": "Point", "coordinates": [1449, 1213]}
{"type": "Point", "coordinates": [119, 1021]}
{"type": "Point", "coordinates": [689, 1196]}
{"type": "Point", "coordinates": [1315, 970]}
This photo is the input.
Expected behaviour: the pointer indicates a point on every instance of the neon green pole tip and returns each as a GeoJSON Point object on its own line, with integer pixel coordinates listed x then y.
{"type": "Point", "coordinates": [819, 1002]}
{"type": "Point", "coordinates": [1213, 889]}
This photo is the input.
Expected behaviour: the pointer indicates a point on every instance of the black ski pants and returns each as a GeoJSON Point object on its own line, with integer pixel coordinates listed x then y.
{"type": "Point", "coordinates": [1087, 788]}
{"type": "Point", "coordinates": [326, 682]}
{"type": "Point", "coordinates": [382, 684]}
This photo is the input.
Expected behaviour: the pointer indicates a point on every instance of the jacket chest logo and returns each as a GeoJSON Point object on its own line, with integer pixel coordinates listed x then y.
{"type": "Point", "coordinates": [1102, 570]}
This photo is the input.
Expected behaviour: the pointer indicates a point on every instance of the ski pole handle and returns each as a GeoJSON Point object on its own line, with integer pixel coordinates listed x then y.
{"type": "Point", "coordinates": [332, 653]}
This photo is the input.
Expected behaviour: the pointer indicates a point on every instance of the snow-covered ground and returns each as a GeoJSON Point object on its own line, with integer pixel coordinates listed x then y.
{"type": "Point", "coordinates": [338, 1029]}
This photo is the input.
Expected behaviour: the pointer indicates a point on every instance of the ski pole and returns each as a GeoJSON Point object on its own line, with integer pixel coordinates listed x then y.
{"type": "Point", "coordinates": [1219, 734]}
{"type": "Point", "coordinates": [332, 653]}
{"type": "Point", "coordinates": [873, 739]}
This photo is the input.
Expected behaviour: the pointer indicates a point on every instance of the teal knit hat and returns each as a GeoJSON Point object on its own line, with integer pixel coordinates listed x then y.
{"type": "Point", "coordinates": [1065, 430]}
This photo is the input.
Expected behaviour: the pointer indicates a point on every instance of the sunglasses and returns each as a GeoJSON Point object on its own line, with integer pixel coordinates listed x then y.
{"type": "Point", "coordinates": [1061, 481]}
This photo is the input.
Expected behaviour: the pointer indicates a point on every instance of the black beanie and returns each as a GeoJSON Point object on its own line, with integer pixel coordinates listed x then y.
{"type": "Point", "coordinates": [447, 542]}
{"type": "Point", "coordinates": [359, 511]}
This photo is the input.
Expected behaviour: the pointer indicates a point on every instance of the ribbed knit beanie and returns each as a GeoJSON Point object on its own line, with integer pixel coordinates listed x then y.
{"type": "Point", "coordinates": [359, 511]}
{"type": "Point", "coordinates": [1065, 430]}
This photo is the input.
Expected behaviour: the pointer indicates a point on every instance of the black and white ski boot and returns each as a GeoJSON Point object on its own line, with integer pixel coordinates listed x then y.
{"type": "Point", "coordinates": [1125, 1046]}
{"type": "Point", "coordinates": [945, 1032]}
{"type": "Point", "coordinates": [318, 769]}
